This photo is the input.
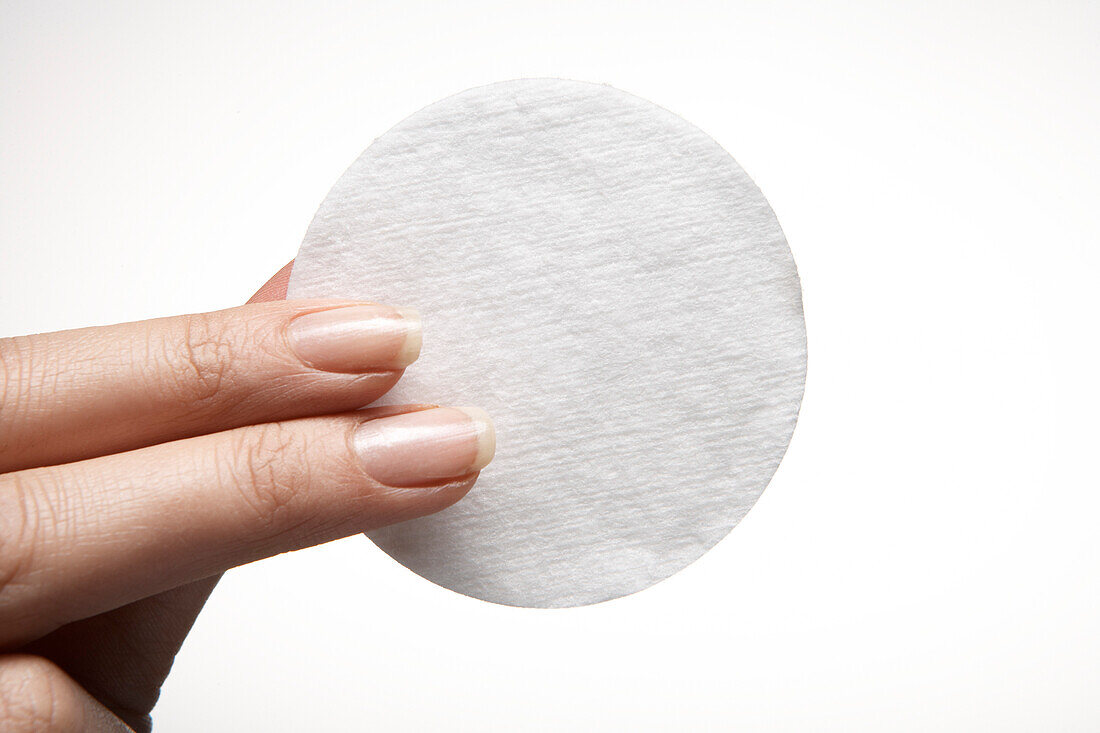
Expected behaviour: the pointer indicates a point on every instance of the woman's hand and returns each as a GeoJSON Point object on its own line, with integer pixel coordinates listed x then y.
{"type": "Point", "coordinates": [139, 461]}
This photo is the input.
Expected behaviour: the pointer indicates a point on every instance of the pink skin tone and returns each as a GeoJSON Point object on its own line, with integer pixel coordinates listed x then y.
{"type": "Point", "coordinates": [170, 450]}
{"type": "Point", "coordinates": [357, 338]}
{"type": "Point", "coordinates": [425, 447]}
{"type": "Point", "coordinates": [412, 449]}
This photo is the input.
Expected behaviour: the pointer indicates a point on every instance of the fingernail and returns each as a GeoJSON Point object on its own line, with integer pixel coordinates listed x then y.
{"type": "Point", "coordinates": [426, 447]}
{"type": "Point", "coordinates": [356, 338]}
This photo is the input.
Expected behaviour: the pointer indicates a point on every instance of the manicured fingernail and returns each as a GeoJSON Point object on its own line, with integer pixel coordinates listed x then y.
{"type": "Point", "coordinates": [426, 447]}
{"type": "Point", "coordinates": [357, 338]}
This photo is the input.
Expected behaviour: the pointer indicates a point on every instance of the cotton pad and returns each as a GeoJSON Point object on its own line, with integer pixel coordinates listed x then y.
{"type": "Point", "coordinates": [602, 278]}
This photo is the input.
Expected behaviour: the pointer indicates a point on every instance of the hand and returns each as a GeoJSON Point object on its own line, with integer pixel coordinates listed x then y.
{"type": "Point", "coordinates": [140, 461]}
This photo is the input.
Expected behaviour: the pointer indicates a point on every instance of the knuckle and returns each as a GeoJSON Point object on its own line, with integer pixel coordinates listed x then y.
{"type": "Point", "coordinates": [268, 472]}
{"type": "Point", "coordinates": [7, 360]}
{"type": "Point", "coordinates": [36, 695]}
{"type": "Point", "coordinates": [13, 382]}
{"type": "Point", "coordinates": [21, 524]}
{"type": "Point", "coordinates": [200, 362]}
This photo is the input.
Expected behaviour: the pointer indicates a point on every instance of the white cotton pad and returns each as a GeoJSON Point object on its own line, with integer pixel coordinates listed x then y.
{"type": "Point", "coordinates": [605, 280]}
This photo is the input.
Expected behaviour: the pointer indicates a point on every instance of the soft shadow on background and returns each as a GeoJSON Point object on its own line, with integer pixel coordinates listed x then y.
{"type": "Point", "coordinates": [926, 556]}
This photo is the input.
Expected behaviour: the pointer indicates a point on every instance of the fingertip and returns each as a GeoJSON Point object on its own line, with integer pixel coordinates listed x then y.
{"type": "Point", "coordinates": [486, 436]}
{"type": "Point", "coordinates": [276, 287]}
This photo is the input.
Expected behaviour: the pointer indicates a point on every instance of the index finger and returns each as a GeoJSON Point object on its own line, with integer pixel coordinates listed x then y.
{"type": "Point", "coordinates": [78, 394]}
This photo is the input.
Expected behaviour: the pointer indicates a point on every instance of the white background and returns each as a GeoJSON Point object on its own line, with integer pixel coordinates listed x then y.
{"type": "Point", "coordinates": [927, 555]}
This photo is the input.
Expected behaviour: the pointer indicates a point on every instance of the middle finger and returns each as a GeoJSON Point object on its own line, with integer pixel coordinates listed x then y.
{"type": "Point", "coordinates": [83, 538]}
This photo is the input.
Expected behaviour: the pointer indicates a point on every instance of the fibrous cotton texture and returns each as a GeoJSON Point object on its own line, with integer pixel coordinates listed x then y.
{"type": "Point", "coordinates": [602, 278]}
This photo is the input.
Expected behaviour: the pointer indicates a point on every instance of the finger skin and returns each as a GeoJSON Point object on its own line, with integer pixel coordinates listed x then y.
{"type": "Point", "coordinates": [122, 657]}
{"type": "Point", "coordinates": [37, 696]}
{"type": "Point", "coordinates": [99, 652]}
{"type": "Point", "coordinates": [82, 538]}
{"type": "Point", "coordinates": [77, 394]}
{"type": "Point", "coordinates": [275, 288]}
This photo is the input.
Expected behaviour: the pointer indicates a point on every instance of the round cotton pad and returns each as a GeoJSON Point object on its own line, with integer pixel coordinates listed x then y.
{"type": "Point", "coordinates": [606, 281]}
